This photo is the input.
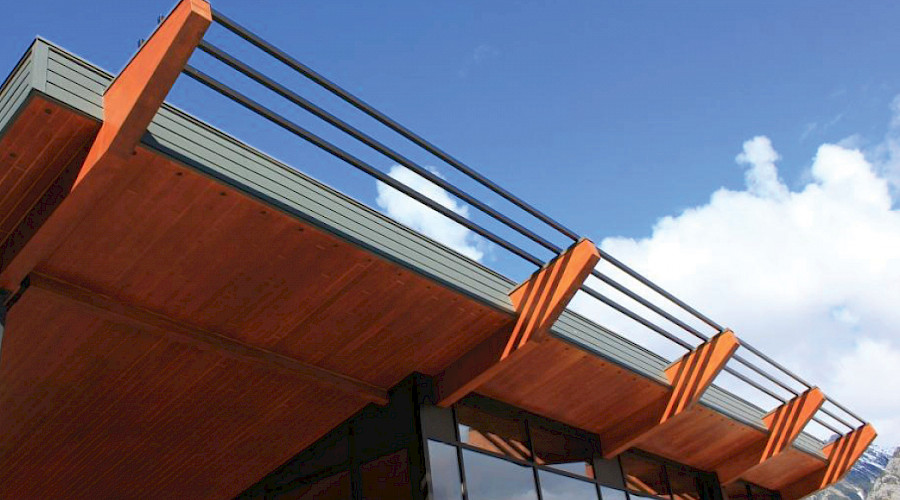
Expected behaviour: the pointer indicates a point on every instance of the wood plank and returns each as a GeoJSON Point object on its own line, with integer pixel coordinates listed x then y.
{"type": "Point", "coordinates": [129, 105]}
{"type": "Point", "coordinates": [538, 301]}
{"type": "Point", "coordinates": [205, 339]}
{"type": "Point", "coordinates": [689, 377]}
{"type": "Point", "coordinates": [785, 423]}
{"type": "Point", "coordinates": [842, 454]}
{"type": "Point", "coordinates": [115, 410]}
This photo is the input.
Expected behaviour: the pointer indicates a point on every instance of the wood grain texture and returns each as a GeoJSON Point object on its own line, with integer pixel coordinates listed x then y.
{"type": "Point", "coordinates": [842, 454]}
{"type": "Point", "coordinates": [784, 425]}
{"type": "Point", "coordinates": [129, 105]}
{"type": "Point", "coordinates": [783, 469]}
{"type": "Point", "coordinates": [575, 387]}
{"type": "Point", "coordinates": [108, 308]}
{"type": "Point", "coordinates": [689, 377]}
{"type": "Point", "coordinates": [137, 92]}
{"type": "Point", "coordinates": [182, 245]}
{"type": "Point", "coordinates": [175, 371]}
{"type": "Point", "coordinates": [44, 143]}
{"type": "Point", "coordinates": [538, 301]}
{"type": "Point", "coordinates": [94, 407]}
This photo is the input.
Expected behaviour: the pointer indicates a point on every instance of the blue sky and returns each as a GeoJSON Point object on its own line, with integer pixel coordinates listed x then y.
{"type": "Point", "coordinates": [623, 120]}
{"type": "Point", "coordinates": [608, 115]}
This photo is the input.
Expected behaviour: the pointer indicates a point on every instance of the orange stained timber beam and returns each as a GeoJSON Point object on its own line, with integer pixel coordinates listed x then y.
{"type": "Point", "coordinates": [841, 454]}
{"type": "Point", "coordinates": [784, 424]}
{"type": "Point", "coordinates": [689, 377]}
{"type": "Point", "coordinates": [538, 303]}
{"type": "Point", "coordinates": [129, 105]}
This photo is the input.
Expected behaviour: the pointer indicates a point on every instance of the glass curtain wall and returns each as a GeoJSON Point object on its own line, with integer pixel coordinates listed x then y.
{"type": "Point", "coordinates": [376, 454]}
{"type": "Point", "coordinates": [484, 450]}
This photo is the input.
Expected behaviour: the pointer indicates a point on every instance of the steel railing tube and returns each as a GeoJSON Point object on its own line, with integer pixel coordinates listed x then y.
{"type": "Point", "coordinates": [646, 303]}
{"type": "Point", "coordinates": [837, 418]}
{"type": "Point", "coordinates": [371, 142]}
{"type": "Point", "coordinates": [388, 122]}
{"type": "Point", "coordinates": [464, 196]}
{"type": "Point", "coordinates": [636, 317]}
{"type": "Point", "coordinates": [352, 160]}
{"type": "Point", "coordinates": [656, 288]}
{"type": "Point", "coordinates": [848, 412]}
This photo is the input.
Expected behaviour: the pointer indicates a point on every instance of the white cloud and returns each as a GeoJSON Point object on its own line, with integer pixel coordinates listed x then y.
{"type": "Point", "coordinates": [887, 153]}
{"type": "Point", "coordinates": [870, 371]}
{"type": "Point", "coordinates": [425, 220]}
{"type": "Point", "coordinates": [762, 176]}
{"type": "Point", "coordinates": [811, 276]}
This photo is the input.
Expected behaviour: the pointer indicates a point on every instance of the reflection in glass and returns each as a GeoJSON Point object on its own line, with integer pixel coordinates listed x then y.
{"type": "Point", "coordinates": [444, 466]}
{"type": "Point", "coordinates": [612, 494]}
{"type": "Point", "coordinates": [562, 450]}
{"type": "Point", "coordinates": [386, 477]}
{"type": "Point", "coordinates": [336, 487]}
{"type": "Point", "coordinates": [559, 487]}
{"type": "Point", "coordinates": [491, 432]}
{"type": "Point", "coordinates": [644, 475]}
{"type": "Point", "coordinates": [683, 483]}
{"type": "Point", "coordinates": [492, 478]}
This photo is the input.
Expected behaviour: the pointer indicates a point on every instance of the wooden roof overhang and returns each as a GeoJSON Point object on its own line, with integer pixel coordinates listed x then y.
{"type": "Point", "coordinates": [187, 314]}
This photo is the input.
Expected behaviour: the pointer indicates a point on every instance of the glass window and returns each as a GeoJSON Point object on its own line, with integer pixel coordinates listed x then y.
{"type": "Point", "coordinates": [612, 494]}
{"type": "Point", "coordinates": [561, 450]}
{"type": "Point", "coordinates": [445, 479]}
{"type": "Point", "coordinates": [386, 477]}
{"type": "Point", "coordinates": [644, 475]}
{"type": "Point", "coordinates": [683, 483]}
{"type": "Point", "coordinates": [492, 478]}
{"type": "Point", "coordinates": [559, 487]}
{"type": "Point", "coordinates": [335, 487]}
{"type": "Point", "coordinates": [500, 434]}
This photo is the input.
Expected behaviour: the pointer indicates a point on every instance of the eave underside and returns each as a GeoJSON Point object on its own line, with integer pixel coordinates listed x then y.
{"type": "Point", "coordinates": [220, 239]}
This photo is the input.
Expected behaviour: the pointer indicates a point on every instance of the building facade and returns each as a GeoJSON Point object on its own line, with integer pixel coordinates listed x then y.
{"type": "Point", "coordinates": [186, 317]}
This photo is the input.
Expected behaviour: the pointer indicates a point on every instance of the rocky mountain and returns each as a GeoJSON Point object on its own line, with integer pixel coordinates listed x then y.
{"type": "Point", "coordinates": [887, 487]}
{"type": "Point", "coordinates": [870, 476]}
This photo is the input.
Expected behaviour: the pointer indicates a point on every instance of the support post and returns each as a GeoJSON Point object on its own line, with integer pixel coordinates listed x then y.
{"type": "Point", "coordinates": [689, 377]}
{"type": "Point", "coordinates": [538, 302]}
{"type": "Point", "coordinates": [842, 454]}
{"type": "Point", "coordinates": [129, 105]}
{"type": "Point", "coordinates": [784, 424]}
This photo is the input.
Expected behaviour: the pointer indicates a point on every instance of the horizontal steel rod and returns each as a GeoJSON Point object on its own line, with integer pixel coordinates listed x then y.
{"type": "Point", "coordinates": [740, 359]}
{"type": "Point", "coordinates": [371, 142]}
{"type": "Point", "coordinates": [653, 307]}
{"type": "Point", "coordinates": [827, 426]}
{"type": "Point", "coordinates": [659, 330]}
{"type": "Point", "coordinates": [740, 376]}
{"type": "Point", "coordinates": [700, 316]}
{"type": "Point", "coordinates": [845, 410]}
{"type": "Point", "coordinates": [839, 419]}
{"type": "Point", "coordinates": [352, 160]}
{"type": "Point", "coordinates": [774, 363]}
{"type": "Point", "coordinates": [467, 198]}
{"type": "Point", "coordinates": [385, 120]}
{"type": "Point", "coordinates": [636, 317]}
{"type": "Point", "coordinates": [646, 303]}
{"type": "Point", "coordinates": [656, 288]}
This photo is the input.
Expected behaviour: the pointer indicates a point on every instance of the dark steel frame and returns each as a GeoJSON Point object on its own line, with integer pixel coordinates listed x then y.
{"type": "Point", "coordinates": [519, 228]}
{"type": "Point", "coordinates": [528, 418]}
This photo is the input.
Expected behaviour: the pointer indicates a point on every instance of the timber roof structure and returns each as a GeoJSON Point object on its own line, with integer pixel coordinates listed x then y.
{"type": "Point", "coordinates": [185, 312]}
